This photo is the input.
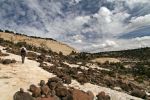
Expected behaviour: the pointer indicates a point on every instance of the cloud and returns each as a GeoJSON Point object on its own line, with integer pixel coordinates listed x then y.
{"type": "Point", "coordinates": [140, 21]}
{"type": "Point", "coordinates": [71, 22]}
{"type": "Point", "coordinates": [77, 1]}
{"type": "Point", "coordinates": [142, 38]}
{"type": "Point", "coordinates": [109, 43]}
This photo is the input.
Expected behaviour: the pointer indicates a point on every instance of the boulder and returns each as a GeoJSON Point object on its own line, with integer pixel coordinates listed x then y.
{"type": "Point", "coordinates": [61, 91]}
{"type": "Point", "coordinates": [80, 95]}
{"type": "Point", "coordinates": [42, 83]}
{"type": "Point", "coordinates": [54, 79]}
{"type": "Point", "coordinates": [36, 91]}
{"type": "Point", "coordinates": [48, 98]}
{"type": "Point", "coordinates": [91, 95]}
{"type": "Point", "coordinates": [66, 79]}
{"type": "Point", "coordinates": [138, 93]}
{"type": "Point", "coordinates": [21, 95]}
{"type": "Point", "coordinates": [45, 91]}
{"type": "Point", "coordinates": [7, 61]}
{"type": "Point", "coordinates": [102, 96]}
{"type": "Point", "coordinates": [52, 85]}
{"type": "Point", "coordinates": [125, 87]}
{"type": "Point", "coordinates": [41, 57]}
{"type": "Point", "coordinates": [81, 78]}
{"type": "Point", "coordinates": [68, 97]}
{"type": "Point", "coordinates": [13, 61]}
{"type": "Point", "coordinates": [54, 82]}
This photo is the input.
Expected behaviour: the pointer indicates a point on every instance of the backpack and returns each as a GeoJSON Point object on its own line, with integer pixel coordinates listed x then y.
{"type": "Point", "coordinates": [23, 51]}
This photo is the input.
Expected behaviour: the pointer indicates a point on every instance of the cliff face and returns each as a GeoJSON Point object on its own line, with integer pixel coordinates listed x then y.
{"type": "Point", "coordinates": [54, 45]}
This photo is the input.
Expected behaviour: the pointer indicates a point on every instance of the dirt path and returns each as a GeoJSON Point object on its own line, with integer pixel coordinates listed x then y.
{"type": "Point", "coordinates": [14, 76]}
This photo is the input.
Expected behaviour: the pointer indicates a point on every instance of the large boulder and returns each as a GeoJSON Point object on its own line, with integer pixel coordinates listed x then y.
{"type": "Point", "coordinates": [21, 95]}
{"type": "Point", "coordinates": [102, 96]}
{"type": "Point", "coordinates": [52, 85]}
{"type": "Point", "coordinates": [138, 93]}
{"type": "Point", "coordinates": [80, 95]}
{"type": "Point", "coordinates": [36, 91]}
{"type": "Point", "coordinates": [81, 78]}
{"type": "Point", "coordinates": [48, 98]}
{"type": "Point", "coordinates": [66, 79]}
{"type": "Point", "coordinates": [8, 61]}
{"type": "Point", "coordinates": [41, 58]}
{"type": "Point", "coordinates": [125, 87]}
{"type": "Point", "coordinates": [45, 91]}
{"type": "Point", "coordinates": [54, 79]}
{"type": "Point", "coordinates": [61, 91]}
{"type": "Point", "coordinates": [54, 82]}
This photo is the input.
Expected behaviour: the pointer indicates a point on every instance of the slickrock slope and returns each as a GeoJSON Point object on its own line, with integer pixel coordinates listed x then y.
{"type": "Point", "coordinates": [39, 42]}
{"type": "Point", "coordinates": [17, 75]}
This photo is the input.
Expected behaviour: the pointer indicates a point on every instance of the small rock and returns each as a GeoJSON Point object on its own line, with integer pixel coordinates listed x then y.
{"type": "Point", "coordinates": [138, 93]}
{"type": "Point", "coordinates": [103, 96]}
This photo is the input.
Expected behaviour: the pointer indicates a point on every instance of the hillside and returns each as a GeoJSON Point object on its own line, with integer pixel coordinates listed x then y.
{"type": "Point", "coordinates": [118, 75]}
{"type": "Point", "coordinates": [46, 43]}
{"type": "Point", "coordinates": [140, 53]}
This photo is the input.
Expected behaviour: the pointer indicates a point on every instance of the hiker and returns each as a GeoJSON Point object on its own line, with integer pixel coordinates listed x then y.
{"type": "Point", "coordinates": [23, 52]}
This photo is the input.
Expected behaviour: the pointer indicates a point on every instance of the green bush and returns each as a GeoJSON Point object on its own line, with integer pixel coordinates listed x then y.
{"type": "Point", "coordinates": [139, 79]}
{"type": "Point", "coordinates": [1, 30]}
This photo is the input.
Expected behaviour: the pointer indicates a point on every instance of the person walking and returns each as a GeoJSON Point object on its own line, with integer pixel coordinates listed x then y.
{"type": "Point", "coordinates": [23, 52]}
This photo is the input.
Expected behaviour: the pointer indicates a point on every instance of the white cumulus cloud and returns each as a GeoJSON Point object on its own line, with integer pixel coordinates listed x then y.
{"type": "Point", "coordinates": [71, 22]}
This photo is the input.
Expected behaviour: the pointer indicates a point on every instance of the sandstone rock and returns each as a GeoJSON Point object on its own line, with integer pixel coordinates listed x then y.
{"type": "Point", "coordinates": [36, 91]}
{"type": "Point", "coordinates": [13, 61]}
{"type": "Point", "coordinates": [125, 87]}
{"type": "Point", "coordinates": [54, 79]}
{"type": "Point", "coordinates": [80, 95]}
{"type": "Point", "coordinates": [52, 85]}
{"type": "Point", "coordinates": [42, 83]}
{"type": "Point", "coordinates": [41, 57]}
{"type": "Point", "coordinates": [7, 61]}
{"type": "Point", "coordinates": [61, 91]}
{"type": "Point", "coordinates": [21, 95]}
{"type": "Point", "coordinates": [138, 93]}
{"type": "Point", "coordinates": [49, 98]}
{"type": "Point", "coordinates": [66, 79]}
{"type": "Point", "coordinates": [81, 78]}
{"type": "Point", "coordinates": [103, 96]}
{"type": "Point", "coordinates": [45, 91]}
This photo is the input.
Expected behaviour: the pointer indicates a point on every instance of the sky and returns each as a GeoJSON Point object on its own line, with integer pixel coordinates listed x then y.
{"type": "Point", "coordinates": [86, 25]}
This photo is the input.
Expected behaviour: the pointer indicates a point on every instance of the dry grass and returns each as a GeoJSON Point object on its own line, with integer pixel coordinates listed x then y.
{"type": "Point", "coordinates": [104, 59]}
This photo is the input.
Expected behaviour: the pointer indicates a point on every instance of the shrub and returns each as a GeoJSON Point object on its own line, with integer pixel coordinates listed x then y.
{"type": "Point", "coordinates": [139, 79]}
{"type": "Point", "coordinates": [1, 30]}
{"type": "Point", "coordinates": [7, 31]}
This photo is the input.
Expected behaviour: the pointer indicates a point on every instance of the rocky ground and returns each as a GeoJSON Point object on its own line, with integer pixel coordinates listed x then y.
{"type": "Point", "coordinates": [73, 78]}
